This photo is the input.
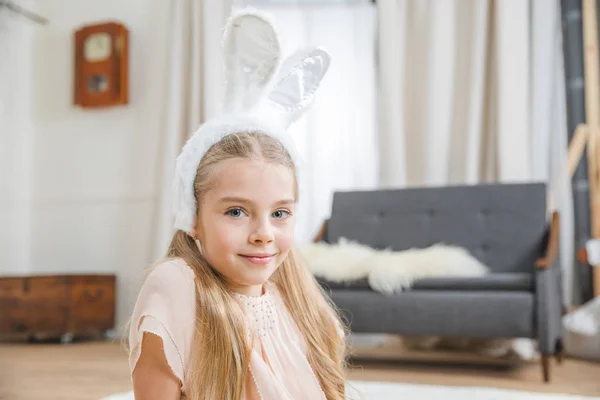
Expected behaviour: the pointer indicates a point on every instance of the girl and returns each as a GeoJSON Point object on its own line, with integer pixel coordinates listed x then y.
{"type": "Point", "coordinates": [231, 313]}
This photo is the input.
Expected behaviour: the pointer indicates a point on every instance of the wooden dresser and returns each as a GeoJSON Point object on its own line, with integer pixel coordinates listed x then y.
{"type": "Point", "coordinates": [57, 305]}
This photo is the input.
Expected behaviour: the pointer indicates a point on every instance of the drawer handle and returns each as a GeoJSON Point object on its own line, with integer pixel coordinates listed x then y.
{"type": "Point", "coordinates": [87, 294]}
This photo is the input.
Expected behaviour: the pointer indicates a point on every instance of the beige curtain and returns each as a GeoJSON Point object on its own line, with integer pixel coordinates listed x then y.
{"type": "Point", "coordinates": [472, 91]}
{"type": "Point", "coordinates": [454, 99]}
{"type": "Point", "coordinates": [192, 92]}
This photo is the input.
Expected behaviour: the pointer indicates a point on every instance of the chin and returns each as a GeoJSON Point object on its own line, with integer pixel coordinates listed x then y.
{"type": "Point", "coordinates": [259, 276]}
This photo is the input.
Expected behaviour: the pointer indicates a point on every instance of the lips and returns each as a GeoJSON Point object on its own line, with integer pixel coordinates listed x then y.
{"type": "Point", "coordinates": [260, 259]}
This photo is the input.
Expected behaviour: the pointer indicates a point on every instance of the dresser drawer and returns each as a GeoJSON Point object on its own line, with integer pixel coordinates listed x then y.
{"type": "Point", "coordinates": [10, 288]}
{"type": "Point", "coordinates": [33, 304]}
{"type": "Point", "coordinates": [41, 289]}
{"type": "Point", "coordinates": [92, 303]}
{"type": "Point", "coordinates": [35, 288]}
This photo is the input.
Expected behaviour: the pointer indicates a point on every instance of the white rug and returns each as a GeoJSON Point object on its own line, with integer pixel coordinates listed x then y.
{"type": "Point", "coordinates": [395, 391]}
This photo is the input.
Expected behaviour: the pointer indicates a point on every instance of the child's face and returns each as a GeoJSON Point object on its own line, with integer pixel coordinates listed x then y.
{"type": "Point", "coordinates": [245, 223]}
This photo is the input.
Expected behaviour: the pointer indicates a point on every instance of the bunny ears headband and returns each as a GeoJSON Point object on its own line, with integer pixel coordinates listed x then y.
{"type": "Point", "coordinates": [262, 94]}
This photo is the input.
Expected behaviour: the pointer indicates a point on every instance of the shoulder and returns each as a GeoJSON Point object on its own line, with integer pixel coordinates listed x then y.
{"type": "Point", "coordinates": [172, 282]}
{"type": "Point", "coordinates": [169, 291]}
{"type": "Point", "coordinates": [171, 271]}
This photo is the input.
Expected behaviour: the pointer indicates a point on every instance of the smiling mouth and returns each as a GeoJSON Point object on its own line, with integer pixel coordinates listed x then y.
{"type": "Point", "coordinates": [260, 259]}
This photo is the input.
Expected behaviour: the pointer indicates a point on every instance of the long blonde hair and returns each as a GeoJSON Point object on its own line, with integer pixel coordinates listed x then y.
{"type": "Point", "coordinates": [220, 352]}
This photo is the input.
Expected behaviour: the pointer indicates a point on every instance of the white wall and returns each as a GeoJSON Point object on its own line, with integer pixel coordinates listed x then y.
{"type": "Point", "coordinates": [16, 142]}
{"type": "Point", "coordinates": [93, 171]}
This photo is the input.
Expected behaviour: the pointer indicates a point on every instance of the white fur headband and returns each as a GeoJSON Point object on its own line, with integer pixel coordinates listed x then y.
{"type": "Point", "coordinates": [261, 94]}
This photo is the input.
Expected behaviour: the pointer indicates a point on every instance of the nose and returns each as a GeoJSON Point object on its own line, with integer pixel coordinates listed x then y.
{"type": "Point", "coordinates": [262, 233]}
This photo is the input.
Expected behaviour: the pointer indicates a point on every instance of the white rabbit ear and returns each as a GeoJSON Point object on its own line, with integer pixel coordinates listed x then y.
{"type": "Point", "coordinates": [298, 79]}
{"type": "Point", "coordinates": [251, 55]}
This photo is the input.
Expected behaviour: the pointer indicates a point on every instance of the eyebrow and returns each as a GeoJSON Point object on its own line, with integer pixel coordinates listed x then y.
{"type": "Point", "coordinates": [247, 201]}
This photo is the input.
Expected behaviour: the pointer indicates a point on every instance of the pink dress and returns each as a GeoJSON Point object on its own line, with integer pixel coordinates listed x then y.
{"type": "Point", "coordinates": [278, 370]}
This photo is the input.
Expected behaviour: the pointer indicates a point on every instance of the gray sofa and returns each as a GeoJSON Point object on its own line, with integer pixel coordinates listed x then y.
{"type": "Point", "coordinates": [503, 225]}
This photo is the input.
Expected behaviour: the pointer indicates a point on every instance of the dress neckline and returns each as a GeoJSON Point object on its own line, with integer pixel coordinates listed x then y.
{"type": "Point", "coordinates": [260, 311]}
{"type": "Point", "coordinates": [253, 300]}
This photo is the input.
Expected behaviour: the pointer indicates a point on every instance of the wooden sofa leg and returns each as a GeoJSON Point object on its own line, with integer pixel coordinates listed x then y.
{"type": "Point", "coordinates": [546, 367]}
{"type": "Point", "coordinates": [560, 351]}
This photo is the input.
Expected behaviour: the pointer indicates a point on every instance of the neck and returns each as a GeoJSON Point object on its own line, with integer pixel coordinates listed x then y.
{"type": "Point", "coordinates": [253, 291]}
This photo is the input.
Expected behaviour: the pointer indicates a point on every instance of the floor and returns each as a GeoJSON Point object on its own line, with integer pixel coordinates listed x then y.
{"type": "Point", "coordinates": [91, 370]}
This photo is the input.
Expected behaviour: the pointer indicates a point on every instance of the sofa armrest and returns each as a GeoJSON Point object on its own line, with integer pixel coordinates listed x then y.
{"type": "Point", "coordinates": [549, 292]}
{"type": "Point", "coordinates": [322, 232]}
{"type": "Point", "coordinates": [551, 252]}
{"type": "Point", "coordinates": [582, 255]}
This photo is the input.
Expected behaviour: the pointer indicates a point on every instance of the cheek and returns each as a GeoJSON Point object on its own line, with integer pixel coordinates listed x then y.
{"type": "Point", "coordinates": [220, 237]}
{"type": "Point", "coordinates": [285, 238]}
{"type": "Point", "coordinates": [226, 236]}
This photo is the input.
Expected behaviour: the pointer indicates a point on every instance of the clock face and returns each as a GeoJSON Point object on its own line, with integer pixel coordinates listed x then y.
{"type": "Point", "coordinates": [97, 47]}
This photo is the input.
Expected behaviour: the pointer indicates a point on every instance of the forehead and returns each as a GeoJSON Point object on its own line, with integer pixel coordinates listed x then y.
{"type": "Point", "coordinates": [258, 181]}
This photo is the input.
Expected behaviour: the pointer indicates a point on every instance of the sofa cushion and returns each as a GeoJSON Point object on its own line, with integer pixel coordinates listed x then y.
{"type": "Point", "coordinates": [500, 281]}
{"type": "Point", "coordinates": [464, 313]}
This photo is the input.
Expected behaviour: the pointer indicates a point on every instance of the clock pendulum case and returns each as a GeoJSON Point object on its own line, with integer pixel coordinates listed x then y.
{"type": "Point", "coordinates": [101, 65]}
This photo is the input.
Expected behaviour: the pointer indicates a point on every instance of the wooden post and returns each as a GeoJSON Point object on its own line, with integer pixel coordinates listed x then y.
{"type": "Point", "coordinates": [576, 147]}
{"type": "Point", "coordinates": [592, 111]}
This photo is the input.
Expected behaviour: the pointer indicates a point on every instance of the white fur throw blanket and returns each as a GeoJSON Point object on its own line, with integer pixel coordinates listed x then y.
{"type": "Point", "coordinates": [388, 271]}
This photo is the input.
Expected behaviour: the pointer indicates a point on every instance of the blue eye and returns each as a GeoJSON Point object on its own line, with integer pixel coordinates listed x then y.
{"type": "Point", "coordinates": [236, 212]}
{"type": "Point", "coordinates": [281, 214]}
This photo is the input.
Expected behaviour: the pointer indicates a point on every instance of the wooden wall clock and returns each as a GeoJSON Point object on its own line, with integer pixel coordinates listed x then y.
{"type": "Point", "coordinates": [101, 65]}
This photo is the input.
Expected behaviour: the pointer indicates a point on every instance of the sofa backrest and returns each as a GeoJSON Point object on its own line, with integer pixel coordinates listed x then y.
{"type": "Point", "coordinates": [503, 225]}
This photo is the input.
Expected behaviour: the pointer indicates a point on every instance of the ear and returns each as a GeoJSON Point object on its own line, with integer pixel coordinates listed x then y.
{"type": "Point", "coordinates": [251, 55]}
{"type": "Point", "coordinates": [298, 79]}
{"type": "Point", "coordinates": [194, 230]}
